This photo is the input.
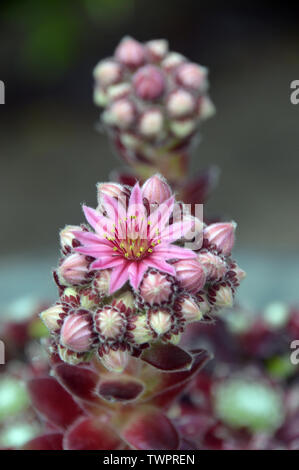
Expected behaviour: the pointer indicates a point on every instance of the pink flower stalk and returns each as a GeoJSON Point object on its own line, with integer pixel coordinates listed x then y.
{"type": "Point", "coordinates": [129, 241]}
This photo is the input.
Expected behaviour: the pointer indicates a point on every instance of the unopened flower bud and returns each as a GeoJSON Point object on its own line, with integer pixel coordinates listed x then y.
{"type": "Point", "coordinates": [121, 114]}
{"type": "Point", "coordinates": [222, 235]}
{"type": "Point", "coordinates": [180, 103]}
{"type": "Point", "coordinates": [100, 97]}
{"type": "Point", "coordinates": [73, 269]}
{"type": "Point", "coordinates": [215, 267]}
{"type": "Point", "coordinates": [149, 83]}
{"type": "Point", "coordinates": [141, 333]}
{"type": "Point", "coordinates": [175, 338]}
{"type": "Point", "coordinates": [107, 72]}
{"type": "Point", "coordinates": [190, 274]}
{"type": "Point", "coordinates": [204, 304]}
{"type": "Point", "coordinates": [109, 189]}
{"type": "Point", "coordinates": [115, 361]}
{"type": "Point", "coordinates": [188, 307]}
{"type": "Point", "coordinates": [182, 129]}
{"type": "Point", "coordinates": [156, 190]}
{"type": "Point", "coordinates": [116, 92]}
{"type": "Point", "coordinates": [221, 296]}
{"type": "Point", "coordinates": [76, 332]}
{"type": "Point", "coordinates": [240, 273]}
{"type": "Point", "coordinates": [110, 323]}
{"type": "Point", "coordinates": [151, 123]}
{"type": "Point", "coordinates": [101, 282]}
{"type": "Point", "coordinates": [53, 317]}
{"type": "Point", "coordinates": [172, 60]}
{"type": "Point", "coordinates": [126, 298]}
{"type": "Point", "coordinates": [88, 299]}
{"type": "Point", "coordinates": [130, 52]}
{"type": "Point", "coordinates": [206, 108]}
{"type": "Point", "coordinates": [71, 296]}
{"type": "Point", "coordinates": [70, 357]}
{"type": "Point", "coordinates": [160, 320]}
{"type": "Point", "coordinates": [157, 49]}
{"type": "Point", "coordinates": [192, 76]}
{"type": "Point", "coordinates": [67, 237]}
{"type": "Point", "coordinates": [156, 288]}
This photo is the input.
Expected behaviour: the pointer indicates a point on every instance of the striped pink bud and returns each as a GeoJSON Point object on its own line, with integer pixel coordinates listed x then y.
{"type": "Point", "coordinates": [107, 72]}
{"type": "Point", "coordinates": [215, 267]}
{"type": "Point", "coordinates": [149, 83]}
{"type": "Point", "coordinates": [156, 288]}
{"type": "Point", "coordinates": [157, 49]}
{"type": "Point", "coordinates": [121, 114]}
{"type": "Point", "coordinates": [222, 235]}
{"type": "Point", "coordinates": [190, 274]}
{"type": "Point", "coordinates": [76, 332]}
{"type": "Point", "coordinates": [180, 103]}
{"type": "Point", "coordinates": [156, 190]}
{"type": "Point", "coordinates": [192, 76]}
{"type": "Point", "coordinates": [130, 52]}
{"type": "Point", "coordinates": [73, 269]}
{"type": "Point", "coordinates": [110, 323]}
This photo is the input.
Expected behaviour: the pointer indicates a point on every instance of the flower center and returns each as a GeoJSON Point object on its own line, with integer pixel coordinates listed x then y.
{"type": "Point", "coordinates": [133, 242]}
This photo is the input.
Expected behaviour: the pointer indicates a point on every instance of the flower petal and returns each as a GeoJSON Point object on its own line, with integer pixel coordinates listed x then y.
{"type": "Point", "coordinates": [136, 272]}
{"type": "Point", "coordinates": [119, 276]}
{"type": "Point", "coordinates": [95, 250]}
{"type": "Point", "coordinates": [174, 252]}
{"type": "Point", "coordinates": [158, 263]}
{"type": "Point", "coordinates": [106, 262]}
{"type": "Point", "coordinates": [92, 216]}
{"type": "Point", "coordinates": [178, 230]}
{"type": "Point", "coordinates": [160, 217]}
{"type": "Point", "coordinates": [114, 207]}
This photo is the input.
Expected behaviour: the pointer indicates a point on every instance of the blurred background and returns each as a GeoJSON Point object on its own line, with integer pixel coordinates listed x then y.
{"type": "Point", "coordinates": [52, 156]}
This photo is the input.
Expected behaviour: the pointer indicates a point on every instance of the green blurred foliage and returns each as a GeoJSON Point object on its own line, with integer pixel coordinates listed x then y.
{"type": "Point", "coordinates": [50, 35]}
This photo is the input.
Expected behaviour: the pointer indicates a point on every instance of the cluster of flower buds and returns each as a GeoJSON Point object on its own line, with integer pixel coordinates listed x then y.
{"type": "Point", "coordinates": [139, 277]}
{"type": "Point", "coordinates": [153, 100]}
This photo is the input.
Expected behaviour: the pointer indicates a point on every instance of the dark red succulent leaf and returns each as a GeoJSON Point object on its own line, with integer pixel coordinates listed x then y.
{"type": "Point", "coordinates": [53, 402]}
{"type": "Point", "coordinates": [79, 381]}
{"type": "Point", "coordinates": [171, 384]}
{"type": "Point", "coordinates": [91, 433]}
{"type": "Point", "coordinates": [51, 441]}
{"type": "Point", "coordinates": [150, 429]}
{"type": "Point", "coordinates": [289, 432]}
{"type": "Point", "coordinates": [167, 357]}
{"type": "Point", "coordinates": [192, 422]}
{"type": "Point", "coordinates": [121, 389]}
